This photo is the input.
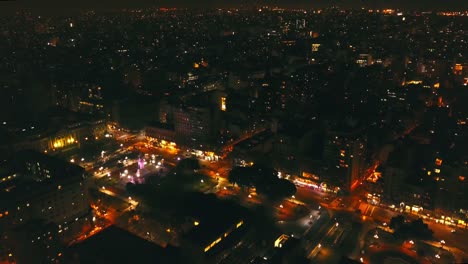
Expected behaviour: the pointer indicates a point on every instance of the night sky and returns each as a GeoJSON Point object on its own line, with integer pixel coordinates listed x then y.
{"type": "Point", "coordinates": [61, 5]}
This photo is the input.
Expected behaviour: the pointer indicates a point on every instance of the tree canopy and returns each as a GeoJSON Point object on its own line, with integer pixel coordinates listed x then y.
{"type": "Point", "coordinates": [265, 180]}
{"type": "Point", "coordinates": [413, 229]}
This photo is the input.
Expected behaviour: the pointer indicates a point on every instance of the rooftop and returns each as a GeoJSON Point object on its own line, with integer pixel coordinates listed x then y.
{"type": "Point", "coordinates": [57, 167]}
{"type": "Point", "coordinates": [24, 187]}
{"type": "Point", "coordinates": [206, 208]}
{"type": "Point", "coordinates": [115, 245]}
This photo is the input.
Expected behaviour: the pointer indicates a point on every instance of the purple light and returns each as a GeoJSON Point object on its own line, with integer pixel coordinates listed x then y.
{"type": "Point", "coordinates": [141, 163]}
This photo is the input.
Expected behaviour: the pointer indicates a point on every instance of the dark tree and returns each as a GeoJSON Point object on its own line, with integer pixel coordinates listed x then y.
{"type": "Point", "coordinates": [277, 190]}
{"type": "Point", "coordinates": [241, 176]}
{"type": "Point", "coordinates": [414, 229]}
{"type": "Point", "coordinates": [396, 222]}
{"type": "Point", "coordinates": [188, 164]}
{"type": "Point", "coordinates": [286, 187]}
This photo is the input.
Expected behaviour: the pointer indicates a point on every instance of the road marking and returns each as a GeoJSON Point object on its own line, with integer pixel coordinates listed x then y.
{"type": "Point", "coordinates": [367, 210]}
{"type": "Point", "coordinates": [313, 252]}
{"type": "Point", "coordinates": [372, 211]}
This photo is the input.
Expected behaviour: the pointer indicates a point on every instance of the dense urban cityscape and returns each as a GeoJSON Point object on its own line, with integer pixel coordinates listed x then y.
{"type": "Point", "coordinates": [256, 134]}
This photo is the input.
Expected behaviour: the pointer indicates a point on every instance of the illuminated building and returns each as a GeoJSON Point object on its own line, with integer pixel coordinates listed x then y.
{"type": "Point", "coordinates": [223, 103]}
{"type": "Point", "coordinates": [62, 142]}
{"type": "Point", "coordinates": [315, 47]}
{"type": "Point", "coordinates": [413, 82]}
{"type": "Point", "coordinates": [211, 86]}
{"type": "Point", "coordinates": [300, 23]}
{"type": "Point", "coordinates": [388, 11]}
{"type": "Point", "coordinates": [159, 132]}
{"type": "Point", "coordinates": [403, 184]}
{"type": "Point", "coordinates": [214, 232]}
{"type": "Point", "coordinates": [193, 125]}
{"type": "Point", "coordinates": [279, 242]}
{"type": "Point", "coordinates": [458, 69]}
{"type": "Point", "coordinates": [48, 190]}
{"type": "Point", "coordinates": [191, 77]}
{"type": "Point", "coordinates": [451, 186]}
{"type": "Point", "coordinates": [90, 106]}
{"type": "Point", "coordinates": [34, 242]}
{"type": "Point", "coordinates": [165, 112]}
{"type": "Point", "coordinates": [289, 43]}
{"type": "Point", "coordinates": [346, 152]}
{"type": "Point", "coordinates": [206, 239]}
{"type": "Point", "coordinates": [63, 138]}
{"type": "Point", "coordinates": [59, 193]}
{"type": "Point", "coordinates": [364, 60]}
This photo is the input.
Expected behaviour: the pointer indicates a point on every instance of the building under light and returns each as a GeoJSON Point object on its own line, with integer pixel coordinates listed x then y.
{"type": "Point", "coordinates": [193, 125]}
{"type": "Point", "coordinates": [49, 191]}
{"type": "Point", "coordinates": [315, 47]}
{"type": "Point", "coordinates": [223, 103]}
{"type": "Point", "coordinates": [345, 152]}
{"type": "Point", "coordinates": [208, 239]}
{"type": "Point", "coordinates": [279, 242]}
{"type": "Point", "coordinates": [214, 232]}
{"type": "Point", "coordinates": [63, 138]}
{"type": "Point", "coordinates": [160, 132]}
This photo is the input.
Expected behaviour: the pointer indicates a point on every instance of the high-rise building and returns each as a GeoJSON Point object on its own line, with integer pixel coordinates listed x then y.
{"type": "Point", "coordinates": [300, 23]}
{"type": "Point", "coordinates": [165, 112]}
{"type": "Point", "coordinates": [193, 125]}
{"type": "Point", "coordinates": [48, 191]}
{"type": "Point", "coordinates": [346, 150]}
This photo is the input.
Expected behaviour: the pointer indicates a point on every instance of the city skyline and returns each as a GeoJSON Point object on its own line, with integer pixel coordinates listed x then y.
{"type": "Point", "coordinates": [258, 135]}
{"type": "Point", "coordinates": [55, 6]}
